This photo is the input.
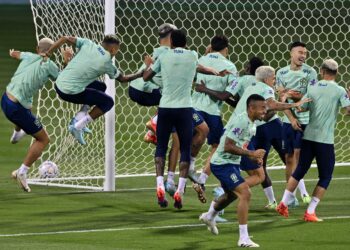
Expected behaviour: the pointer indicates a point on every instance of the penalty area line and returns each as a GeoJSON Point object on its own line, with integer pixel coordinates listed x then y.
{"type": "Point", "coordinates": [151, 228]}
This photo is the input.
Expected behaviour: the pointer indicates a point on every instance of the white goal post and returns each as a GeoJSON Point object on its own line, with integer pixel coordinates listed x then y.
{"type": "Point", "coordinates": [115, 149]}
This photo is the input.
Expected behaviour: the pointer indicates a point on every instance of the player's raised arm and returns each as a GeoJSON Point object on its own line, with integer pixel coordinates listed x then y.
{"type": "Point", "coordinates": [128, 78]}
{"type": "Point", "coordinates": [15, 54]}
{"type": "Point", "coordinates": [64, 39]}
{"type": "Point", "coordinates": [151, 71]}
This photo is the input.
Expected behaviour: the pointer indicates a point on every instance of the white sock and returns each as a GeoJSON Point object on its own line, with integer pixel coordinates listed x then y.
{"type": "Point", "coordinates": [313, 204]}
{"type": "Point", "coordinates": [243, 232]}
{"type": "Point", "coordinates": [155, 119]}
{"type": "Point", "coordinates": [171, 176]}
{"type": "Point", "coordinates": [212, 213]}
{"type": "Point", "coordinates": [302, 188]}
{"type": "Point", "coordinates": [82, 112]}
{"type": "Point", "coordinates": [203, 178]}
{"type": "Point", "coordinates": [160, 182]}
{"type": "Point", "coordinates": [83, 122]}
{"type": "Point", "coordinates": [192, 163]}
{"type": "Point", "coordinates": [182, 184]}
{"type": "Point", "coordinates": [23, 169]}
{"type": "Point", "coordinates": [269, 194]}
{"type": "Point", "coordinates": [287, 196]}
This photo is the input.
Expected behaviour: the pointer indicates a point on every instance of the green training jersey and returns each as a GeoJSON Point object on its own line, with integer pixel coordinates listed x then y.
{"type": "Point", "coordinates": [204, 102]}
{"type": "Point", "coordinates": [239, 86]}
{"type": "Point", "coordinates": [258, 88]}
{"type": "Point", "coordinates": [327, 97]}
{"type": "Point", "coordinates": [156, 81]}
{"type": "Point", "coordinates": [241, 129]}
{"type": "Point", "coordinates": [91, 62]}
{"type": "Point", "coordinates": [299, 81]}
{"type": "Point", "coordinates": [30, 76]}
{"type": "Point", "coordinates": [177, 67]}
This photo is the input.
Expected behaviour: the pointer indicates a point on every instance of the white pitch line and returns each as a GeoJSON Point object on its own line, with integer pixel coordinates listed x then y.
{"type": "Point", "coordinates": [214, 185]}
{"type": "Point", "coordinates": [150, 228]}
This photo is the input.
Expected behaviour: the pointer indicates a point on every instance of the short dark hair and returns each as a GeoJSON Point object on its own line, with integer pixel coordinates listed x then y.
{"type": "Point", "coordinates": [178, 38]}
{"type": "Point", "coordinates": [254, 98]}
{"type": "Point", "coordinates": [297, 44]}
{"type": "Point", "coordinates": [111, 39]}
{"type": "Point", "coordinates": [254, 63]}
{"type": "Point", "coordinates": [219, 42]}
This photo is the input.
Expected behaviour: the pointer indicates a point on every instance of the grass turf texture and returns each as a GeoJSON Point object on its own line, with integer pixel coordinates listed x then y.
{"type": "Point", "coordinates": [54, 209]}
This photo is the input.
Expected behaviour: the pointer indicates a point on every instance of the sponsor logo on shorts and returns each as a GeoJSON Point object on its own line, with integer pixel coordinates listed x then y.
{"type": "Point", "coordinates": [196, 117]}
{"type": "Point", "coordinates": [37, 123]}
{"type": "Point", "coordinates": [234, 178]}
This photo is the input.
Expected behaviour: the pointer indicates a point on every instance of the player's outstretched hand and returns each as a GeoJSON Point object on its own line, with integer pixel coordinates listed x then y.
{"type": "Point", "coordinates": [148, 60]}
{"type": "Point", "coordinates": [302, 101]}
{"type": "Point", "coordinates": [200, 87]}
{"type": "Point", "coordinates": [258, 155]}
{"type": "Point", "coordinates": [14, 53]}
{"type": "Point", "coordinates": [67, 54]}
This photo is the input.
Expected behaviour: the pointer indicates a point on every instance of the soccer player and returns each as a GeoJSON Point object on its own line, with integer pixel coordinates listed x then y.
{"type": "Point", "coordinates": [295, 78]}
{"type": "Point", "coordinates": [178, 67]}
{"type": "Point", "coordinates": [209, 108]}
{"type": "Point", "coordinates": [77, 82]}
{"type": "Point", "coordinates": [318, 140]}
{"type": "Point", "coordinates": [225, 165]}
{"type": "Point", "coordinates": [148, 93]}
{"type": "Point", "coordinates": [16, 103]}
{"type": "Point", "coordinates": [208, 91]}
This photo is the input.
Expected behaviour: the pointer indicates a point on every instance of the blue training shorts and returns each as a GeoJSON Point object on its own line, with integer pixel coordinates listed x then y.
{"type": "Point", "coordinates": [291, 139]}
{"type": "Point", "coordinates": [20, 116]}
{"type": "Point", "coordinates": [145, 98]}
{"type": "Point", "coordinates": [228, 174]}
{"type": "Point", "coordinates": [216, 128]}
{"type": "Point", "coordinates": [325, 159]}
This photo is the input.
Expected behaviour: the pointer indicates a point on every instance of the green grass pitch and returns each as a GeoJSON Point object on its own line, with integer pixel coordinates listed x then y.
{"type": "Point", "coordinates": [56, 218]}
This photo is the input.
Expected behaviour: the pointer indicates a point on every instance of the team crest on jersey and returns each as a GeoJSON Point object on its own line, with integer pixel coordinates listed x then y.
{"type": "Point", "coordinates": [313, 82]}
{"type": "Point", "coordinates": [303, 82]}
{"type": "Point", "coordinates": [237, 131]}
{"type": "Point", "coordinates": [234, 178]}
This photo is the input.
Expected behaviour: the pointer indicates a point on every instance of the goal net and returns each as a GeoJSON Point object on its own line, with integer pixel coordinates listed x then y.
{"type": "Point", "coordinates": [263, 28]}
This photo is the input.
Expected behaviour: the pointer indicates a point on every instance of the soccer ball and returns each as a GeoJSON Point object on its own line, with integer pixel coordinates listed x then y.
{"type": "Point", "coordinates": [48, 169]}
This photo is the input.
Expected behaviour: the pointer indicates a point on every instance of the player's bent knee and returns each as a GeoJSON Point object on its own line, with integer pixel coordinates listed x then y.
{"type": "Point", "coordinates": [107, 105]}
{"type": "Point", "coordinates": [324, 182]}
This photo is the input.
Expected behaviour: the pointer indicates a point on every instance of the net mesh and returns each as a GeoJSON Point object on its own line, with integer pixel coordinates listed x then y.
{"type": "Point", "coordinates": [262, 28]}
